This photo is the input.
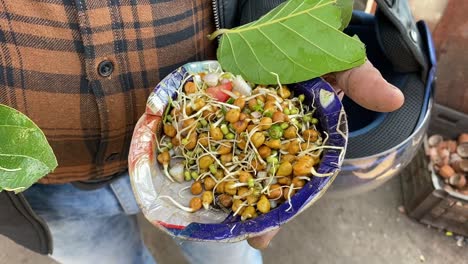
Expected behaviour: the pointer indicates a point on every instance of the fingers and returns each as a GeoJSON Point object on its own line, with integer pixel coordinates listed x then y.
{"type": "Point", "coordinates": [262, 242]}
{"type": "Point", "coordinates": [366, 86]}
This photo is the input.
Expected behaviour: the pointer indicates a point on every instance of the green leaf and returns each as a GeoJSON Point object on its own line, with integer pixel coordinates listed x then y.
{"type": "Point", "coordinates": [346, 7]}
{"type": "Point", "coordinates": [297, 41]}
{"type": "Point", "coordinates": [25, 154]}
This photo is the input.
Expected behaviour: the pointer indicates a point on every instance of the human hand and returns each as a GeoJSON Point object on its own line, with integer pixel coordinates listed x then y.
{"type": "Point", "coordinates": [364, 85]}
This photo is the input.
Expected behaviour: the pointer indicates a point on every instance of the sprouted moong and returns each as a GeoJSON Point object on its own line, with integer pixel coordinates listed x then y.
{"type": "Point", "coordinates": [246, 148]}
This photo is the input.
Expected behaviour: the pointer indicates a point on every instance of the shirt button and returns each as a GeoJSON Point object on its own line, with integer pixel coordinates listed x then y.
{"type": "Point", "coordinates": [105, 68]}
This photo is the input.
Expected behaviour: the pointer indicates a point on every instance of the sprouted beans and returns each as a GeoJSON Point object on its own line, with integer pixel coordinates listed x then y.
{"type": "Point", "coordinates": [247, 153]}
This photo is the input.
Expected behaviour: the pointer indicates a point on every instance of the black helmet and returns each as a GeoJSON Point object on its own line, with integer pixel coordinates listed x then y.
{"type": "Point", "coordinates": [381, 144]}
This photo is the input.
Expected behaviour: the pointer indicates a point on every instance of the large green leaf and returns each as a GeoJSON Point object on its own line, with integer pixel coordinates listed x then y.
{"type": "Point", "coordinates": [298, 40]}
{"type": "Point", "coordinates": [346, 7]}
{"type": "Point", "coordinates": [25, 154]}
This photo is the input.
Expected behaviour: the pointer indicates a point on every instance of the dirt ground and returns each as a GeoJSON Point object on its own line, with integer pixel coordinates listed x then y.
{"type": "Point", "coordinates": [362, 229]}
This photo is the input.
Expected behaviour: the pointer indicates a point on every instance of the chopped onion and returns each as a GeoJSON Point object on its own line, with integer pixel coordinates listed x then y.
{"type": "Point", "coordinates": [273, 203]}
{"type": "Point", "coordinates": [261, 174]}
{"type": "Point", "coordinates": [177, 172]}
{"type": "Point", "coordinates": [241, 86]}
{"type": "Point", "coordinates": [211, 79]}
{"type": "Point", "coordinates": [256, 115]}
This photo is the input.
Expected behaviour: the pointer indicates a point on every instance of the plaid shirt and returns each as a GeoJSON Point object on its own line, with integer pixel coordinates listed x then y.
{"type": "Point", "coordinates": [83, 69]}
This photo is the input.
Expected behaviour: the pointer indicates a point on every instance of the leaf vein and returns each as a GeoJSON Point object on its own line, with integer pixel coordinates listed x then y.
{"type": "Point", "coordinates": [279, 20]}
{"type": "Point", "coordinates": [314, 44]}
{"type": "Point", "coordinates": [285, 54]}
{"type": "Point", "coordinates": [330, 26]}
{"type": "Point", "coordinates": [253, 52]}
{"type": "Point", "coordinates": [22, 156]}
{"type": "Point", "coordinates": [234, 55]}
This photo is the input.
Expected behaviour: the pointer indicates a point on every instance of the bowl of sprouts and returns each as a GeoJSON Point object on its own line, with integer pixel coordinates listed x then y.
{"type": "Point", "coordinates": [217, 158]}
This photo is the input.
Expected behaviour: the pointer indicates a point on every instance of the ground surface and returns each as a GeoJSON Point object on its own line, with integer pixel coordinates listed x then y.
{"type": "Point", "coordinates": [362, 229]}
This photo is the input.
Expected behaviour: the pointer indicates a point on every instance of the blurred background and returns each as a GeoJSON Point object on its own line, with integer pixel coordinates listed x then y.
{"type": "Point", "coordinates": [368, 228]}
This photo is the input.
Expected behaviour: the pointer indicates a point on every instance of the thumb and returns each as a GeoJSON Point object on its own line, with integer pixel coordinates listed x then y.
{"type": "Point", "coordinates": [366, 86]}
{"type": "Point", "coordinates": [262, 242]}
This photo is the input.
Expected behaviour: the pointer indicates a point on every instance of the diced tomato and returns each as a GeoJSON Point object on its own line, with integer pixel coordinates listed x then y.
{"type": "Point", "coordinates": [217, 91]}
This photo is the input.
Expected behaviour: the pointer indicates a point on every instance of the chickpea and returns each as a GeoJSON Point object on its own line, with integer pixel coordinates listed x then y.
{"type": "Point", "coordinates": [198, 104]}
{"type": "Point", "coordinates": [290, 132]}
{"type": "Point", "coordinates": [278, 117]}
{"type": "Point", "coordinates": [232, 115]}
{"type": "Point", "coordinates": [190, 88]}
{"type": "Point", "coordinates": [261, 98]}
{"type": "Point", "coordinates": [310, 135]}
{"type": "Point", "coordinates": [265, 123]}
{"type": "Point", "coordinates": [308, 159]}
{"type": "Point", "coordinates": [305, 145]}
{"type": "Point", "coordinates": [169, 130]}
{"type": "Point", "coordinates": [236, 204]}
{"type": "Point", "coordinates": [288, 157]}
{"type": "Point", "coordinates": [244, 176]}
{"type": "Point", "coordinates": [248, 213]}
{"type": "Point", "coordinates": [285, 169]}
{"type": "Point", "coordinates": [196, 204]}
{"type": "Point", "coordinates": [273, 143]}
{"type": "Point", "coordinates": [175, 111]}
{"type": "Point", "coordinates": [239, 102]}
{"type": "Point", "coordinates": [251, 199]}
{"type": "Point", "coordinates": [252, 104]}
{"type": "Point", "coordinates": [284, 92]}
{"type": "Point", "coordinates": [188, 110]}
{"type": "Point", "coordinates": [209, 114]}
{"type": "Point", "coordinates": [192, 141]}
{"type": "Point", "coordinates": [250, 127]}
{"type": "Point", "coordinates": [285, 146]}
{"type": "Point", "coordinates": [196, 188]}
{"type": "Point", "coordinates": [264, 151]}
{"type": "Point", "coordinates": [229, 188]}
{"type": "Point", "coordinates": [209, 183]}
{"type": "Point", "coordinates": [258, 139]}
{"type": "Point", "coordinates": [225, 200]}
{"type": "Point", "coordinates": [225, 148]}
{"type": "Point", "coordinates": [207, 199]}
{"type": "Point", "coordinates": [220, 188]}
{"type": "Point", "coordinates": [243, 116]}
{"type": "Point", "coordinates": [270, 105]}
{"type": "Point", "coordinates": [284, 181]}
{"type": "Point", "coordinates": [203, 139]}
{"type": "Point", "coordinates": [216, 133]}
{"type": "Point", "coordinates": [188, 122]}
{"type": "Point", "coordinates": [257, 165]}
{"type": "Point", "coordinates": [298, 182]}
{"type": "Point", "coordinates": [303, 166]}
{"type": "Point", "coordinates": [164, 157]}
{"type": "Point", "coordinates": [263, 205]}
{"type": "Point", "coordinates": [242, 143]}
{"type": "Point", "coordinates": [286, 193]}
{"type": "Point", "coordinates": [242, 190]}
{"type": "Point", "coordinates": [219, 174]}
{"type": "Point", "coordinates": [226, 158]}
{"type": "Point", "coordinates": [294, 147]}
{"type": "Point", "coordinates": [275, 191]}
{"type": "Point", "coordinates": [270, 98]}
{"type": "Point", "coordinates": [240, 126]}
{"type": "Point", "coordinates": [175, 141]}
{"type": "Point", "coordinates": [205, 162]}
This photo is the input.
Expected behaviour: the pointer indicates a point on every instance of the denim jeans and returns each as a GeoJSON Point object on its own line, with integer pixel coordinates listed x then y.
{"type": "Point", "coordinates": [100, 226]}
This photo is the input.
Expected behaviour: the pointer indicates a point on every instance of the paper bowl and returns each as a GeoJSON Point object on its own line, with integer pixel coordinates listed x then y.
{"type": "Point", "coordinates": [148, 182]}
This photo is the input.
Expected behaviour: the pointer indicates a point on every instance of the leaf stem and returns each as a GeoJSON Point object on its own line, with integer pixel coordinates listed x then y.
{"type": "Point", "coordinates": [218, 32]}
